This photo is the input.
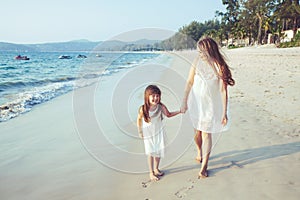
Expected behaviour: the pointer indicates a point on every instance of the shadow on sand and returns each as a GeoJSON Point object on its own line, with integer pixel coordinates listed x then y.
{"type": "Point", "coordinates": [241, 158]}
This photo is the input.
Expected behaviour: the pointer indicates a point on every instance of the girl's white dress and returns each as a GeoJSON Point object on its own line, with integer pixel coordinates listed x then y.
{"type": "Point", "coordinates": [205, 101]}
{"type": "Point", "coordinates": [154, 133]}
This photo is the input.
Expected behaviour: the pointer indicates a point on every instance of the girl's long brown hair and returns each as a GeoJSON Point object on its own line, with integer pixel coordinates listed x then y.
{"type": "Point", "coordinates": [151, 89]}
{"type": "Point", "coordinates": [211, 50]}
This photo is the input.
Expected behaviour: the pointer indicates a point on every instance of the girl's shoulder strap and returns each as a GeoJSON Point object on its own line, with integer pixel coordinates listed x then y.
{"type": "Point", "coordinates": [160, 105]}
{"type": "Point", "coordinates": [160, 108]}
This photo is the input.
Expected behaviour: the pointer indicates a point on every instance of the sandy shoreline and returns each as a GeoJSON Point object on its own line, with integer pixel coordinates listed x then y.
{"type": "Point", "coordinates": [42, 156]}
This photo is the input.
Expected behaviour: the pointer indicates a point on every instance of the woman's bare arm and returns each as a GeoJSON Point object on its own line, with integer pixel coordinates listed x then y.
{"type": "Point", "coordinates": [224, 94]}
{"type": "Point", "coordinates": [139, 122]}
{"type": "Point", "coordinates": [188, 86]}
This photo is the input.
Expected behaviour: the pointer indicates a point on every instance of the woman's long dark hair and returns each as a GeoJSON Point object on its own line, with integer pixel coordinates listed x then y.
{"type": "Point", "coordinates": [211, 50]}
{"type": "Point", "coordinates": [151, 89]}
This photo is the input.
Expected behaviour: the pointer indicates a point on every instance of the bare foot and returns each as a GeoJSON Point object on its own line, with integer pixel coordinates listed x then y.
{"type": "Point", "coordinates": [202, 175]}
{"type": "Point", "coordinates": [198, 159]}
{"type": "Point", "coordinates": [153, 177]}
{"type": "Point", "coordinates": [157, 172]}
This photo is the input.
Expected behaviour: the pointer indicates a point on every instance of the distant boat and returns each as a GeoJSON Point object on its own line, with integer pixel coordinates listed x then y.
{"type": "Point", "coordinates": [19, 57]}
{"type": "Point", "coordinates": [98, 55]}
{"type": "Point", "coordinates": [81, 56]}
{"type": "Point", "coordinates": [64, 57]}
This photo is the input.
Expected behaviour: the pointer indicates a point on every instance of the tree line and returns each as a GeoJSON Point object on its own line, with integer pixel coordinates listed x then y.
{"type": "Point", "coordinates": [245, 22]}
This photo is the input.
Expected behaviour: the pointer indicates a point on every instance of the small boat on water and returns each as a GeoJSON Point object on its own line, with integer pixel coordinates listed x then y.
{"type": "Point", "coordinates": [19, 57]}
{"type": "Point", "coordinates": [64, 57]}
{"type": "Point", "coordinates": [81, 56]}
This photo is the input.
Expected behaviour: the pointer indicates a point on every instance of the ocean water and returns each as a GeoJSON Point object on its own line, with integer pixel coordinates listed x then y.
{"type": "Point", "coordinates": [26, 83]}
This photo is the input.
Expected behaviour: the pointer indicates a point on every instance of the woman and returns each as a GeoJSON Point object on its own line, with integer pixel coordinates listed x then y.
{"type": "Point", "coordinates": [206, 97]}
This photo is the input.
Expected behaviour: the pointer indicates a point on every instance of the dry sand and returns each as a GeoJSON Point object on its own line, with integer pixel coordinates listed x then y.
{"type": "Point", "coordinates": [42, 156]}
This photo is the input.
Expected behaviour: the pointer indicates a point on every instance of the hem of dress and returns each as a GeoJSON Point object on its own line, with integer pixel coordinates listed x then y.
{"type": "Point", "coordinates": [212, 132]}
{"type": "Point", "coordinates": [161, 155]}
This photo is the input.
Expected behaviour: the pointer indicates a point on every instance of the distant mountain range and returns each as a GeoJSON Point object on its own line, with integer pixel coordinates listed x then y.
{"type": "Point", "coordinates": [83, 45]}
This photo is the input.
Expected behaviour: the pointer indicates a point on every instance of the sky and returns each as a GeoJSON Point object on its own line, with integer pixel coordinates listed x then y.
{"type": "Point", "coordinates": [42, 21]}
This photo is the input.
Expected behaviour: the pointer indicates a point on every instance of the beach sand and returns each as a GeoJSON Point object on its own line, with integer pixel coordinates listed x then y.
{"type": "Point", "coordinates": [55, 152]}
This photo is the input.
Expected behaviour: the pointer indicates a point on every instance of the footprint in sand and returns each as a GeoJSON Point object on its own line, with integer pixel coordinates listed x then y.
{"type": "Point", "coordinates": [182, 192]}
{"type": "Point", "coordinates": [145, 184]}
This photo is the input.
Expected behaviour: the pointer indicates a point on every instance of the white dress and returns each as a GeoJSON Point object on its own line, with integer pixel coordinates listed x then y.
{"type": "Point", "coordinates": [205, 104]}
{"type": "Point", "coordinates": [154, 133]}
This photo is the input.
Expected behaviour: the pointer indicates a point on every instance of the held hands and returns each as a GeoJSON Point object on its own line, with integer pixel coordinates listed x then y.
{"type": "Point", "coordinates": [184, 107]}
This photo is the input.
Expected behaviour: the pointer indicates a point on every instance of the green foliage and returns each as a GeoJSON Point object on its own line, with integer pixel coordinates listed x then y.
{"type": "Point", "coordinates": [243, 19]}
{"type": "Point", "coordinates": [187, 36]}
{"type": "Point", "coordinates": [232, 46]}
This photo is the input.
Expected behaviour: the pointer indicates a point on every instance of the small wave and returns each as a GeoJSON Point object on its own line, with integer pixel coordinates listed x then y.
{"type": "Point", "coordinates": [7, 68]}
{"type": "Point", "coordinates": [21, 84]}
{"type": "Point", "coordinates": [62, 79]}
{"type": "Point", "coordinates": [11, 85]}
{"type": "Point", "coordinates": [91, 76]}
{"type": "Point", "coordinates": [26, 100]}
{"type": "Point", "coordinates": [22, 62]}
{"type": "Point", "coordinates": [106, 73]}
{"type": "Point", "coordinates": [110, 71]}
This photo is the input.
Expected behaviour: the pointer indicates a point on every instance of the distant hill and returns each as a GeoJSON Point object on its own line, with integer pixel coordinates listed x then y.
{"type": "Point", "coordinates": [15, 47]}
{"type": "Point", "coordinates": [77, 45]}
{"type": "Point", "coordinates": [83, 45]}
{"type": "Point", "coordinates": [139, 45]}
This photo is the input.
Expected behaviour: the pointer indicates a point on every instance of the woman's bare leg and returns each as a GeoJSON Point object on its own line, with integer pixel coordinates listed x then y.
{"type": "Point", "coordinates": [157, 172]}
{"type": "Point", "coordinates": [206, 148]}
{"type": "Point", "coordinates": [151, 171]}
{"type": "Point", "coordinates": [198, 142]}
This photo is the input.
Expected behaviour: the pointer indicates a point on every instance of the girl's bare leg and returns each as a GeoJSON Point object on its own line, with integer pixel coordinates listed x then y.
{"type": "Point", "coordinates": [198, 141]}
{"type": "Point", "coordinates": [151, 174]}
{"type": "Point", "coordinates": [157, 172]}
{"type": "Point", "coordinates": [206, 147]}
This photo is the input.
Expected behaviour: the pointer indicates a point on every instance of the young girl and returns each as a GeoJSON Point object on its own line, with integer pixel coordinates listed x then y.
{"type": "Point", "coordinates": [151, 129]}
{"type": "Point", "coordinates": [207, 98]}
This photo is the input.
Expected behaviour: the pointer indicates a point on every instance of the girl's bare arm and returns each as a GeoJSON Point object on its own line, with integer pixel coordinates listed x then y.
{"type": "Point", "coordinates": [167, 113]}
